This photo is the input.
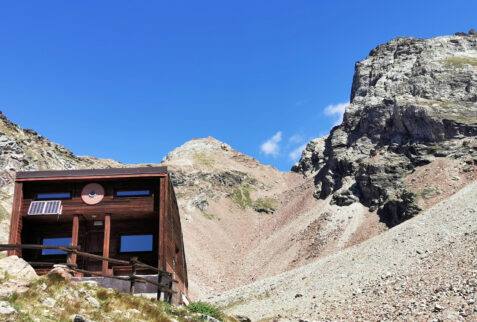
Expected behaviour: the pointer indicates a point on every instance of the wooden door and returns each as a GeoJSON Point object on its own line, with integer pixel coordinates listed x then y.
{"type": "Point", "coordinates": [94, 245]}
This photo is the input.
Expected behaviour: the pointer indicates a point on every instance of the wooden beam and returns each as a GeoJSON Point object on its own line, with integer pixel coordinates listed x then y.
{"type": "Point", "coordinates": [126, 176]}
{"type": "Point", "coordinates": [162, 222]}
{"type": "Point", "coordinates": [107, 234]}
{"type": "Point", "coordinates": [74, 236]}
{"type": "Point", "coordinates": [15, 223]}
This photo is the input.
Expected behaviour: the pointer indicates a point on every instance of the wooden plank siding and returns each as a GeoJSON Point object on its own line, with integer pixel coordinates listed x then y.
{"type": "Point", "coordinates": [16, 223]}
{"type": "Point", "coordinates": [180, 265]}
{"type": "Point", "coordinates": [162, 223]}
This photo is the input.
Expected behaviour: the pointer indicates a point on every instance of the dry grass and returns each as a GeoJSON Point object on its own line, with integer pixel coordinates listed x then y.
{"type": "Point", "coordinates": [267, 204]}
{"type": "Point", "coordinates": [204, 159]}
{"type": "Point", "coordinates": [74, 299]}
{"type": "Point", "coordinates": [459, 61]}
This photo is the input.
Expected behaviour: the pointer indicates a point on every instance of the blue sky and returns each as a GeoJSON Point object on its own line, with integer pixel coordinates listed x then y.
{"type": "Point", "coordinates": [131, 80]}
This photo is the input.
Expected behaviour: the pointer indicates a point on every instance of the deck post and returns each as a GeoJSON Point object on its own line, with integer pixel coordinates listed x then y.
{"type": "Point", "coordinates": [107, 234]}
{"type": "Point", "coordinates": [132, 277]}
{"type": "Point", "coordinates": [176, 297]}
{"type": "Point", "coordinates": [159, 281]}
{"type": "Point", "coordinates": [74, 237]}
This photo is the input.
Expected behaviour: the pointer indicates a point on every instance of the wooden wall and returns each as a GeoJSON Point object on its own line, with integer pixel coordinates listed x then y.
{"type": "Point", "coordinates": [156, 215]}
{"type": "Point", "coordinates": [125, 206]}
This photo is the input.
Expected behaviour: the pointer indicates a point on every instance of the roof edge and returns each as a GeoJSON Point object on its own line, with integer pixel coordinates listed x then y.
{"type": "Point", "coordinates": [110, 172]}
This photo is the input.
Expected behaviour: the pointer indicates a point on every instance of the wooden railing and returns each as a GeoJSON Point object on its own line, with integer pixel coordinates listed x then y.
{"type": "Point", "coordinates": [164, 282]}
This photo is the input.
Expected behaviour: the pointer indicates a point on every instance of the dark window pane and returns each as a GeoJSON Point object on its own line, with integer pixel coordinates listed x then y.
{"type": "Point", "coordinates": [66, 241]}
{"type": "Point", "coordinates": [59, 195]}
{"type": "Point", "coordinates": [136, 243]}
{"type": "Point", "coordinates": [133, 193]}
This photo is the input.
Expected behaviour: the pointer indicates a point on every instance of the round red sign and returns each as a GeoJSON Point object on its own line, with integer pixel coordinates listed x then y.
{"type": "Point", "coordinates": [92, 193]}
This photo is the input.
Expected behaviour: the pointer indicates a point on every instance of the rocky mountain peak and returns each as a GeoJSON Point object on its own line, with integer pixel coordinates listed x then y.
{"type": "Point", "coordinates": [413, 101]}
{"type": "Point", "coordinates": [206, 170]}
{"type": "Point", "coordinates": [193, 147]}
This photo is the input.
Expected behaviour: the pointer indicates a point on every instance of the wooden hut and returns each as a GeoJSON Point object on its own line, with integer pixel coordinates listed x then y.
{"type": "Point", "coordinates": [116, 213]}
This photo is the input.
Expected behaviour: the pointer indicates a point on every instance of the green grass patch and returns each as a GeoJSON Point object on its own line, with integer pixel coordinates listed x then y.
{"type": "Point", "coordinates": [459, 111]}
{"type": "Point", "coordinates": [6, 277]}
{"type": "Point", "coordinates": [241, 197]}
{"type": "Point", "coordinates": [459, 61]}
{"type": "Point", "coordinates": [208, 215]}
{"type": "Point", "coordinates": [4, 214]}
{"type": "Point", "coordinates": [205, 308]}
{"type": "Point", "coordinates": [265, 204]}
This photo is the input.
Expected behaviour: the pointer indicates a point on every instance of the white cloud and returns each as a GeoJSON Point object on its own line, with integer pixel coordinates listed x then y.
{"type": "Point", "coordinates": [271, 146]}
{"type": "Point", "coordinates": [297, 138]}
{"type": "Point", "coordinates": [295, 154]}
{"type": "Point", "coordinates": [336, 109]}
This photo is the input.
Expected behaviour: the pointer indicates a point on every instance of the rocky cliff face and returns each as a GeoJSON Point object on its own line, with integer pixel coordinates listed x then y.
{"type": "Point", "coordinates": [413, 102]}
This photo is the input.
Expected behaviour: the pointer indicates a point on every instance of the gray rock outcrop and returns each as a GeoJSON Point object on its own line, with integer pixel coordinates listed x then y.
{"type": "Point", "coordinates": [412, 100]}
{"type": "Point", "coordinates": [17, 268]}
{"type": "Point", "coordinates": [6, 308]}
{"type": "Point", "coordinates": [312, 159]}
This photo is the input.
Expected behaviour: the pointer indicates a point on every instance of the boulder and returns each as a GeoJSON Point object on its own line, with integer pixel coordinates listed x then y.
{"type": "Point", "coordinates": [6, 308]}
{"type": "Point", "coordinates": [79, 318]}
{"type": "Point", "coordinates": [17, 268]}
{"type": "Point", "coordinates": [63, 271]}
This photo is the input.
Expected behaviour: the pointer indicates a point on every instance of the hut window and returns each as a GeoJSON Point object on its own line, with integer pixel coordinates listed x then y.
{"type": "Point", "coordinates": [63, 241]}
{"type": "Point", "coordinates": [53, 195]}
{"type": "Point", "coordinates": [136, 243]}
{"type": "Point", "coordinates": [132, 193]}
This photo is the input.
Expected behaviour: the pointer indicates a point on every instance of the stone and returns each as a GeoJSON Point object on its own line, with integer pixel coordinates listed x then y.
{"type": "Point", "coordinates": [79, 318]}
{"type": "Point", "coordinates": [205, 317]}
{"type": "Point", "coordinates": [94, 302]}
{"type": "Point", "coordinates": [17, 268]}
{"type": "Point", "coordinates": [13, 286]}
{"type": "Point", "coordinates": [49, 302]}
{"type": "Point", "coordinates": [63, 271]}
{"type": "Point", "coordinates": [134, 311]}
{"type": "Point", "coordinates": [312, 158]}
{"type": "Point", "coordinates": [6, 308]}
{"type": "Point", "coordinates": [200, 202]}
{"type": "Point", "coordinates": [438, 308]}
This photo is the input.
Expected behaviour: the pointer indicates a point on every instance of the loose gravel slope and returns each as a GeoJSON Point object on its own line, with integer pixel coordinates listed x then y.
{"type": "Point", "coordinates": [425, 268]}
